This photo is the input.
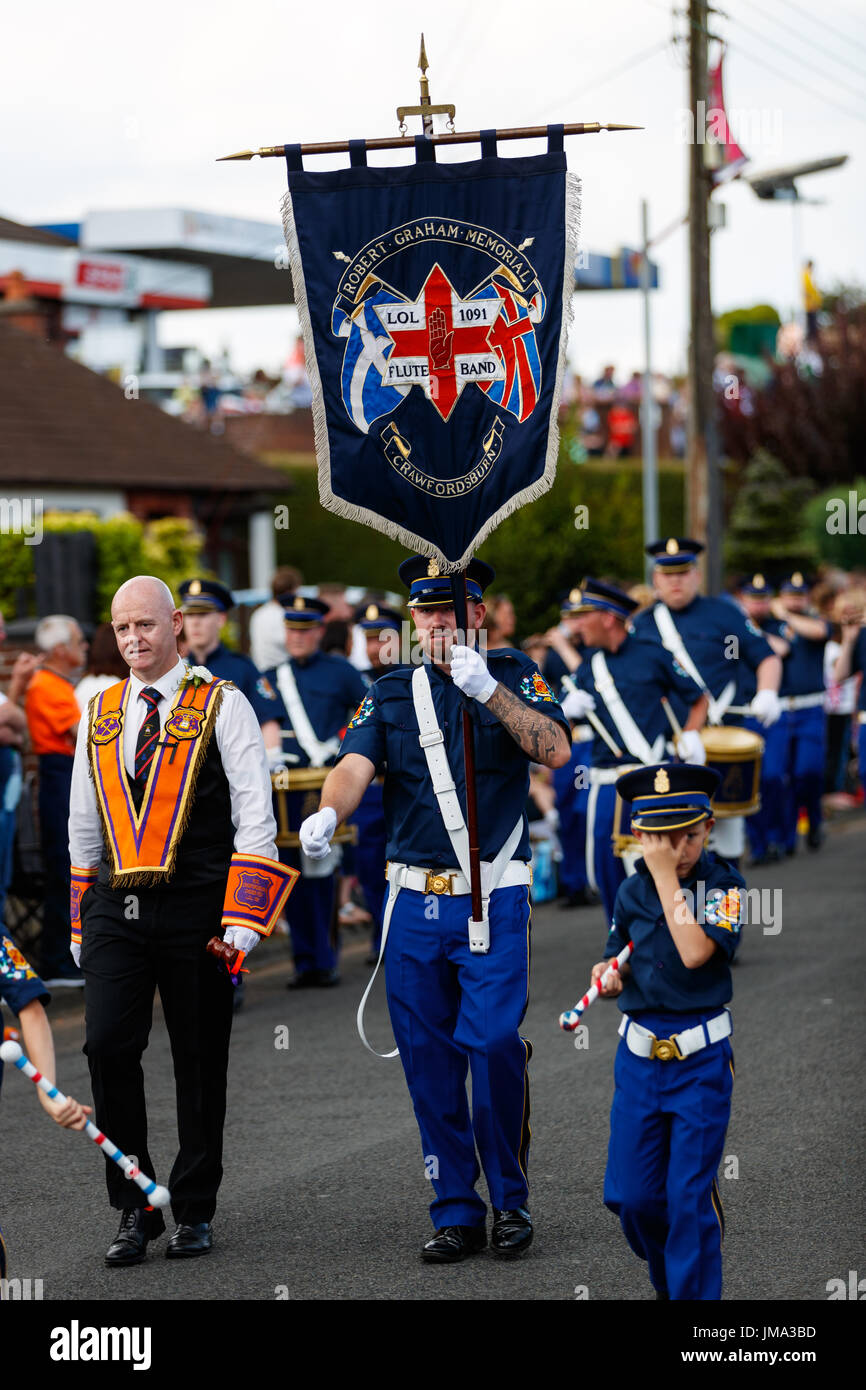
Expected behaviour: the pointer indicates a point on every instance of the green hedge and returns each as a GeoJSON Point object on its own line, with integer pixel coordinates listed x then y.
{"type": "Point", "coordinates": [168, 548]}
{"type": "Point", "coordinates": [538, 553]}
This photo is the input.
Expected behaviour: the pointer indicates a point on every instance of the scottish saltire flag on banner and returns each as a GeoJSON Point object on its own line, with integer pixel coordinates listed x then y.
{"type": "Point", "coordinates": [434, 301]}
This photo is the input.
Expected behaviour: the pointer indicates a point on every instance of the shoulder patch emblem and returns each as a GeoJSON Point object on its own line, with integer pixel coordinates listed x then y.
{"type": "Point", "coordinates": [534, 688]}
{"type": "Point", "coordinates": [265, 689]}
{"type": "Point", "coordinates": [722, 909]}
{"type": "Point", "coordinates": [13, 965]}
{"type": "Point", "coordinates": [363, 712]}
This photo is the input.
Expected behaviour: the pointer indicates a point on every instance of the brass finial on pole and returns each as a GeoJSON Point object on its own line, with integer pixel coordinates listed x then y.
{"type": "Point", "coordinates": [425, 109]}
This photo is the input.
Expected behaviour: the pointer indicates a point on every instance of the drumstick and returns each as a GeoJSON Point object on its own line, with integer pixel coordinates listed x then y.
{"type": "Point", "coordinates": [571, 1018]}
{"type": "Point", "coordinates": [672, 719]}
{"type": "Point", "coordinates": [159, 1196]}
{"type": "Point", "coordinates": [594, 720]}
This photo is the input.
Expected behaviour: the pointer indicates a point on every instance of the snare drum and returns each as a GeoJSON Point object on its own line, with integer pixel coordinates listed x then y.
{"type": "Point", "coordinates": [297, 793]}
{"type": "Point", "coordinates": [736, 756]}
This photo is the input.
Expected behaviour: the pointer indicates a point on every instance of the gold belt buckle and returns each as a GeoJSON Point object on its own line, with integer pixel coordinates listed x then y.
{"type": "Point", "coordinates": [437, 883]}
{"type": "Point", "coordinates": [666, 1049]}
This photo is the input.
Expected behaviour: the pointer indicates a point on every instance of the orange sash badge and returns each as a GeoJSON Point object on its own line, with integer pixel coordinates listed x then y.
{"type": "Point", "coordinates": [142, 844]}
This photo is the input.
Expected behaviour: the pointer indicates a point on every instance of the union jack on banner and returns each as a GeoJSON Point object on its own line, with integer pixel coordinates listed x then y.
{"type": "Point", "coordinates": [513, 340]}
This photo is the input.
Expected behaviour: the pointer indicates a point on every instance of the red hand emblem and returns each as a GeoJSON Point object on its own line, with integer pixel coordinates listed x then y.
{"type": "Point", "coordinates": [441, 343]}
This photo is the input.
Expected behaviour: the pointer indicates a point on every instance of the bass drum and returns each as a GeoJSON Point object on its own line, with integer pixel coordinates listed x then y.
{"type": "Point", "coordinates": [736, 755]}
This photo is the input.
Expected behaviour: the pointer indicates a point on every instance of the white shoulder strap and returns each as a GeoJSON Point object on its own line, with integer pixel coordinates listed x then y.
{"type": "Point", "coordinates": [432, 740]}
{"type": "Point", "coordinates": [627, 729]}
{"type": "Point", "coordinates": [318, 753]}
{"type": "Point", "coordinates": [672, 641]}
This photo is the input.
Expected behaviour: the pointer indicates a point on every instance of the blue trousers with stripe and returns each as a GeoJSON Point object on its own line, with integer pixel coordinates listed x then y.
{"type": "Point", "coordinates": [453, 1012]}
{"type": "Point", "coordinates": [571, 805]}
{"type": "Point", "coordinates": [667, 1135]}
{"type": "Point", "coordinates": [609, 870]}
{"type": "Point", "coordinates": [768, 826]}
{"type": "Point", "coordinates": [805, 731]}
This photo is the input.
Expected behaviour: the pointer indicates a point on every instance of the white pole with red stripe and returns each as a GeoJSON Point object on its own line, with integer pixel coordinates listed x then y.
{"type": "Point", "coordinates": [159, 1196]}
{"type": "Point", "coordinates": [571, 1018]}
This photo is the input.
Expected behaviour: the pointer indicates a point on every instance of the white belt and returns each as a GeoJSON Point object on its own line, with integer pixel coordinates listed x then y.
{"type": "Point", "coordinates": [803, 701]}
{"type": "Point", "coordinates": [451, 880]}
{"type": "Point", "coordinates": [603, 776]}
{"type": "Point", "coordinates": [643, 1043]}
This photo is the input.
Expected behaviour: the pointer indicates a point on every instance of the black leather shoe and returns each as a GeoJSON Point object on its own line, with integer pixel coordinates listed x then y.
{"type": "Point", "coordinates": [314, 979]}
{"type": "Point", "coordinates": [512, 1232]}
{"type": "Point", "coordinates": [137, 1227]}
{"type": "Point", "coordinates": [453, 1243]}
{"type": "Point", "coordinates": [815, 838]}
{"type": "Point", "coordinates": [188, 1241]}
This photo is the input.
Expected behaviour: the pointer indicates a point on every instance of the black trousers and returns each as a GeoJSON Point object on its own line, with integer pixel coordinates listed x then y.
{"type": "Point", "coordinates": [133, 942]}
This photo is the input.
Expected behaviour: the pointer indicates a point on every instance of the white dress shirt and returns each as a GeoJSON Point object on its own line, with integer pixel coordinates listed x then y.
{"type": "Point", "coordinates": [241, 749]}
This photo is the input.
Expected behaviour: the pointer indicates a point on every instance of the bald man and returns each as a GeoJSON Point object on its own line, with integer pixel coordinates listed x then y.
{"type": "Point", "coordinates": [171, 837]}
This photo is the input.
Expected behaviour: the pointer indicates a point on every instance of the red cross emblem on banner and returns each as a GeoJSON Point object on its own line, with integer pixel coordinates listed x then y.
{"type": "Point", "coordinates": [441, 342]}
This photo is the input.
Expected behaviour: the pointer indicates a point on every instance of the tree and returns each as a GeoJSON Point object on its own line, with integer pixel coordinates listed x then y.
{"type": "Point", "coordinates": [766, 530]}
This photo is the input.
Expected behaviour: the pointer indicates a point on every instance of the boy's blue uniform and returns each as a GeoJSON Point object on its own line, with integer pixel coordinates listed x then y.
{"type": "Point", "coordinates": [669, 1117]}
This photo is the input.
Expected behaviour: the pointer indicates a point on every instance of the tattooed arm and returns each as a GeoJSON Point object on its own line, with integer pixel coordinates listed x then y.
{"type": "Point", "coordinates": [538, 735]}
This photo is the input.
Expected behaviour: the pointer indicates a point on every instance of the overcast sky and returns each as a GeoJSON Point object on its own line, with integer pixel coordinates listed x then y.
{"type": "Point", "coordinates": [111, 106]}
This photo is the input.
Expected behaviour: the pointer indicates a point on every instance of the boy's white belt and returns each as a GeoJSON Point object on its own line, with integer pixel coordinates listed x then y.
{"type": "Point", "coordinates": [803, 701]}
{"type": "Point", "coordinates": [643, 1043]}
{"type": "Point", "coordinates": [451, 880]}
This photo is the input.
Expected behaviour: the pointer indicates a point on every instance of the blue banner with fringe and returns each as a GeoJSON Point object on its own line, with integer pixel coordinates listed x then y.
{"type": "Point", "coordinates": [435, 302]}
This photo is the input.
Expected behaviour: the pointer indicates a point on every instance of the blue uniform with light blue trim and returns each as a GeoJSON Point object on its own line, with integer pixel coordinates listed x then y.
{"type": "Point", "coordinates": [669, 1118]}
{"type": "Point", "coordinates": [452, 1010]}
{"type": "Point", "coordinates": [766, 828]}
{"type": "Point", "coordinates": [330, 687]}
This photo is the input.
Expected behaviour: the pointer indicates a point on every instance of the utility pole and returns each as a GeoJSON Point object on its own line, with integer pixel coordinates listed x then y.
{"type": "Point", "coordinates": [703, 482]}
{"type": "Point", "coordinates": [647, 405]}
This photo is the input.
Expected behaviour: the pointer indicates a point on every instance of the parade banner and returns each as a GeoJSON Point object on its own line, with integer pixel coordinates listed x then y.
{"type": "Point", "coordinates": [435, 302]}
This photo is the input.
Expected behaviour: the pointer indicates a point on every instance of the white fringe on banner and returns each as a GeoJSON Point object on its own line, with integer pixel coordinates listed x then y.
{"type": "Point", "coordinates": [365, 515]}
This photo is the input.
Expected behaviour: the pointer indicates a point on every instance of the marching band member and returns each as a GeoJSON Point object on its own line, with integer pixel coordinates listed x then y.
{"type": "Point", "coordinates": [457, 990]}
{"type": "Point", "coordinates": [621, 681]}
{"type": "Point", "coordinates": [707, 637]}
{"type": "Point", "coordinates": [319, 690]}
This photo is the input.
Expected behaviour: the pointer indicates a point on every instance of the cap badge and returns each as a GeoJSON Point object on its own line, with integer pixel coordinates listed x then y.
{"type": "Point", "coordinates": [672, 548]}
{"type": "Point", "coordinates": [298, 604]}
{"type": "Point", "coordinates": [195, 587]}
{"type": "Point", "coordinates": [433, 569]}
{"type": "Point", "coordinates": [797, 578]}
{"type": "Point", "coordinates": [372, 611]}
{"type": "Point", "coordinates": [575, 596]}
{"type": "Point", "coordinates": [662, 782]}
{"type": "Point", "coordinates": [759, 582]}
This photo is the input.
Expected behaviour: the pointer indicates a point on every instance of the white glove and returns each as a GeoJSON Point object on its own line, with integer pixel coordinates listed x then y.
{"type": "Point", "coordinates": [577, 704]}
{"type": "Point", "coordinates": [690, 747]}
{"type": "Point", "coordinates": [470, 674]}
{"type": "Point", "coordinates": [766, 707]}
{"type": "Point", "coordinates": [75, 948]}
{"type": "Point", "coordinates": [316, 831]}
{"type": "Point", "coordinates": [241, 938]}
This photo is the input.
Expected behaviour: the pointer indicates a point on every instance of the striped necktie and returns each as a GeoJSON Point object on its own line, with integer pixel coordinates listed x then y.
{"type": "Point", "coordinates": [148, 734]}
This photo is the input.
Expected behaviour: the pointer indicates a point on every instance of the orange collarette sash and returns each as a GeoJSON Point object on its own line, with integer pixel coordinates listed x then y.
{"type": "Point", "coordinates": [142, 846]}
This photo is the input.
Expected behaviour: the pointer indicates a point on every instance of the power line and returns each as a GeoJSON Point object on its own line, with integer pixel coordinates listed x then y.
{"type": "Point", "coordinates": [615, 72]}
{"type": "Point", "coordinates": [786, 77]}
{"type": "Point", "coordinates": [822, 23]}
{"type": "Point", "coordinates": [811, 42]}
{"type": "Point", "coordinates": [819, 72]}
